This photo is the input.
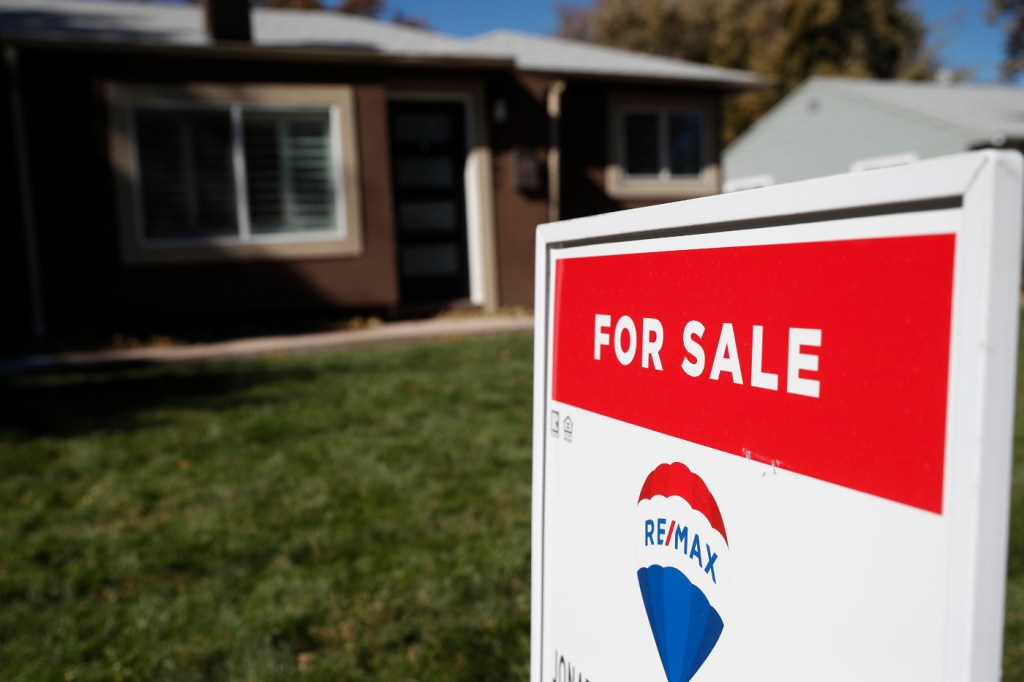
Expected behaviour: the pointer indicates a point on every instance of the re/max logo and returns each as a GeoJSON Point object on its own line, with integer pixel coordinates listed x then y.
{"type": "Point", "coordinates": [677, 536]}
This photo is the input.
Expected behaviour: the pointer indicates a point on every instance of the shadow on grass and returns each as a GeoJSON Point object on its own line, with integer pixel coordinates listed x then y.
{"type": "Point", "coordinates": [128, 398]}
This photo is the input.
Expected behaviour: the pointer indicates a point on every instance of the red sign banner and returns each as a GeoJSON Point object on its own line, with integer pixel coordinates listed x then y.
{"type": "Point", "coordinates": [828, 359]}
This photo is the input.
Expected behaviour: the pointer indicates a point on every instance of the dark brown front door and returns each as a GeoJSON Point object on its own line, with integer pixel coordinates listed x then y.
{"type": "Point", "coordinates": [428, 155]}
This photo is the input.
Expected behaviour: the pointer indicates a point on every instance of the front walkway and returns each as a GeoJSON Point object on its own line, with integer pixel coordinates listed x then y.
{"type": "Point", "coordinates": [385, 333]}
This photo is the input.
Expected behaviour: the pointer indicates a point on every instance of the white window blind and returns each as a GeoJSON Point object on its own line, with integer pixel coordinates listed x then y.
{"type": "Point", "coordinates": [288, 170]}
{"type": "Point", "coordinates": [237, 172]}
{"type": "Point", "coordinates": [185, 164]}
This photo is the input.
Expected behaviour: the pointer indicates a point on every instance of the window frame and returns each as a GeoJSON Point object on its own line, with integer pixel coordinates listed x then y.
{"type": "Point", "coordinates": [125, 101]}
{"type": "Point", "coordinates": [662, 185]}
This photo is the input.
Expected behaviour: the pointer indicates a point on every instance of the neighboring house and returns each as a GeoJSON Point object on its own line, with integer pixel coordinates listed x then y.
{"type": "Point", "coordinates": [160, 173]}
{"type": "Point", "coordinates": [836, 125]}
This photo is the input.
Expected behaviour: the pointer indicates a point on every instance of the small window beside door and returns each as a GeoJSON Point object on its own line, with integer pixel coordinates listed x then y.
{"type": "Point", "coordinates": [663, 143]}
{"type": "Point", "coordinates": [661, 151]}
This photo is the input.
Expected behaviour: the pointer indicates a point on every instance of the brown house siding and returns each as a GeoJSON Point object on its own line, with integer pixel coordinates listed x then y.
{"type": "Point", "coordinates": [585, 150]}
{"type": "Point", "coordinates": [15, 312]}
{"type": "Point", "coordinates": [519, 211]}
{"type": "Point", "coordinates": [74, 218]}
{"type": "Point", "coordinates": [88, 285]}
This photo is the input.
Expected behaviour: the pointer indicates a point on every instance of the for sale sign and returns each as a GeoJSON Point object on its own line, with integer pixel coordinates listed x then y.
{"type": "Point", "coordinates": [773, 431]}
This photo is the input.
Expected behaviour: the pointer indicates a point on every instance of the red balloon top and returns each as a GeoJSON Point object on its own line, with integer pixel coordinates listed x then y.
{"type": "Point", "coordinates": [676, 480]}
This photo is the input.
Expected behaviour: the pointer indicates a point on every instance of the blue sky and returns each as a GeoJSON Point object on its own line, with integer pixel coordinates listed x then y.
{"type": "Point", "coordinates": [958, 31]}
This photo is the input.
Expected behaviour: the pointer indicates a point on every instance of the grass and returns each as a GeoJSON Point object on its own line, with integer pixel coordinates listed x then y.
{"type": "Point", "coordinates": [1013, 645]}
{"type": "Point", "coordinates": [358, 516]}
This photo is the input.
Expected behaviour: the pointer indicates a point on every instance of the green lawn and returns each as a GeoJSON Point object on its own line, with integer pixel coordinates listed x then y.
{"type": "Point", "coordinates": [356, 516]}
{"type": "Point", "coordinates": [1013, 645]}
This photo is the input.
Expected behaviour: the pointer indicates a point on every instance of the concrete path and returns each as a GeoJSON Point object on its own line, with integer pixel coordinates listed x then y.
{"type": "Point", "coordinates": [385, 333]}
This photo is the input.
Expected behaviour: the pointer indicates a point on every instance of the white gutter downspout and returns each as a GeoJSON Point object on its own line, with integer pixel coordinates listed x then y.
{"type": "Point", "coordinates": [28, 219]}
{"type": "Point", "coordinates": [554, 103]}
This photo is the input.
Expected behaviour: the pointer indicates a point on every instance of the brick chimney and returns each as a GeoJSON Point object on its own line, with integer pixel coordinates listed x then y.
{"type": "Point", "coordinates": [227, 20]}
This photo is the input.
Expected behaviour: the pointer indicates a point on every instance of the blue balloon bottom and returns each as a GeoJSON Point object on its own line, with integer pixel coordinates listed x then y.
{"type": "Point", "coordinates": [685, 625]}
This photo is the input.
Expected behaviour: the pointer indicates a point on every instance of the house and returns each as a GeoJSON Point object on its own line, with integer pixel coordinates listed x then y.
{"type": "Point", "coordinates": [173, 164]}
{"type": "Point", "coordinates": [836, 125]}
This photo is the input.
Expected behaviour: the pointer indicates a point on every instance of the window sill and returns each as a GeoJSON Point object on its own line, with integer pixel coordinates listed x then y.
{"type": "Point", "coordinates": [619, 187]}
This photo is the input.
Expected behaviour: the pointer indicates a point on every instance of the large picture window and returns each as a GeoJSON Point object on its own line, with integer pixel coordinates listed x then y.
{"type": "Point", "coordinates": [257, 176]}
{"type": "Point", "coordinates": [661, 151]}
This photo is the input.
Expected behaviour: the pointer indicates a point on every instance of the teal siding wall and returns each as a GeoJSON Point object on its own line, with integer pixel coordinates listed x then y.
{"type": "Point", "coordinates": [815, 132]}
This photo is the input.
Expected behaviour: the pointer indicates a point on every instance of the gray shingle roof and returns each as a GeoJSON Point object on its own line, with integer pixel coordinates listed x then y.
{"type": "Point", "coordinates": [165, 23]}
{"type": "Point", "coordinates": [333, 29]}
{"type": "Point", "coordinates": [121, 22]}
{"type": "Point", "coordinates": [565, 56]}
{"type": "Point", "coordinates": [171, 24]}
{"type": "Point", "coordinates": [986, 112]}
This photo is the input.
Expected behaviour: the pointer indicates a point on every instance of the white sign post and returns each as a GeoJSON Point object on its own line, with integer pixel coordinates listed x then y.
{"type": "Point", "coordinates": [773, 429]}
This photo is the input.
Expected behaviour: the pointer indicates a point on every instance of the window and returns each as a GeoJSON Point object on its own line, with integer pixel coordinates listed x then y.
{"type": "Point", "coordinates": [289, 172]}
{"type": "Point", "coordinates": [187, 188]}
{"type": "Point", "coordinates": [663, 143]}
{"type": "Point", "coordinates": [661, 151]}
{"type": "Point", "coordinates": [215, 172]}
